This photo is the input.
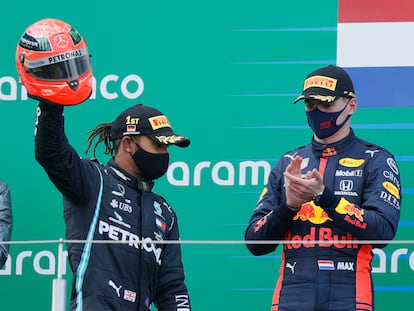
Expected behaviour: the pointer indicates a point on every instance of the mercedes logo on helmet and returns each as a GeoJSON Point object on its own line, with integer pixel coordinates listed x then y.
{"type": "Point", "coordinates": [61, 41]}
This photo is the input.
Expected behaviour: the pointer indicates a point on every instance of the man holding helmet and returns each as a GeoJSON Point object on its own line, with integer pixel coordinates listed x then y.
{"type": "Point", "coordinates": [113, 202]}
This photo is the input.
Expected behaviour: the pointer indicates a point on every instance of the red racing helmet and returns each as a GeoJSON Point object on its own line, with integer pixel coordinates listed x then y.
{"type": "Point", "coordinates": [53, 63]}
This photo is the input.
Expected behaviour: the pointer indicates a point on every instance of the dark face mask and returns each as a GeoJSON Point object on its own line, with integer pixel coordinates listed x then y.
{"type": "Point", "coordinates": [323, 124]}
{"type": "Point", "coordinates": [151, 165]}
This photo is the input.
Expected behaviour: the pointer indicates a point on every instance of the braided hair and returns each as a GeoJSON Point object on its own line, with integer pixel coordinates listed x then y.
{"type": "Point", "coordinates": [103, 132]}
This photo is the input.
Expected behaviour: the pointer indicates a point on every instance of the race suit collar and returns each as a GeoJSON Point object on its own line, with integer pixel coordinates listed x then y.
{"type": "Point", "coordinates": [339, 147]}
{"type": "Point", "coordinates": [145, 186]}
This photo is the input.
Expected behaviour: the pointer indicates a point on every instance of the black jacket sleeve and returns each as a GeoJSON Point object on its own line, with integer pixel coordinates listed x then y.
{"type": "Point", "coordinates": [5, 221]}
{"type": "Point", "coordinates": [53, 151]}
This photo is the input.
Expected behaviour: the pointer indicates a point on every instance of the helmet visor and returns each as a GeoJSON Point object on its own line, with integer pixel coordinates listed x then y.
{"type": "Point", "coordinates": [62, 67]}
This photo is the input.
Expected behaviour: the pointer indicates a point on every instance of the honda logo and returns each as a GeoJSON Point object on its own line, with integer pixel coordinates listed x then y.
{"type": "Point", "coordinates": [346, 185]}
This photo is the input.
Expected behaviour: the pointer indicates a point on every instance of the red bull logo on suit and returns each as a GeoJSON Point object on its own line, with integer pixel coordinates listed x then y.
{"type": "Point", "coordinates": [309, 211]}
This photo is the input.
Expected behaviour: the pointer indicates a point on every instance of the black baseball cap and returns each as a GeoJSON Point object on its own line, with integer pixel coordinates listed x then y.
{"type": "Point", "coordinates": [146, 121]}
{"type": "Point", "coordinates": [327, 84]}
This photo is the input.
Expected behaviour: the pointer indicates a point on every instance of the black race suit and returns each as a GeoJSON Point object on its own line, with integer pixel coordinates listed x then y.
{"type": "Point", "coordinates": [361, 201]}
{"type": "Point", "coordinates": [106, 203]}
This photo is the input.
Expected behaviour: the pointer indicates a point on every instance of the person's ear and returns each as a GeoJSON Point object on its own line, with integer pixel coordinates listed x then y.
{"type": "Point", "coordinates": [126, 144]}
{"type": "Point", "coordinates": [352, 105]}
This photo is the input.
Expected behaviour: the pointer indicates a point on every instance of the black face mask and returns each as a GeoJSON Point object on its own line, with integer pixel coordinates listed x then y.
{"type": "Point", "coordinates": [151, 165]}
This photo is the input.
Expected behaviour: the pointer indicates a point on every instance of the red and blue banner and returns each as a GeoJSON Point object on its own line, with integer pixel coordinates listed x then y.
{"type": "Point", "coordinates": [374, 44]}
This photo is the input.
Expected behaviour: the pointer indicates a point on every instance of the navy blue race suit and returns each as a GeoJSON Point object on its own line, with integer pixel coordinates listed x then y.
{"type": "Point", "coordinates": [361, 201]}
{"type": "Point", "coordinates": [106, 203]}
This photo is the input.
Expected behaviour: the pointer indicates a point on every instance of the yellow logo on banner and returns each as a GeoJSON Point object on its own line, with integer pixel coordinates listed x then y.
{"type": "Point", "coordinates": [320, 81]}
{"type": "Point", "coordinates": [349, 162]}
{"type": "Point", "coordinates": [391, 188]}
{"type": "Point", "coordinates": [159, 122]}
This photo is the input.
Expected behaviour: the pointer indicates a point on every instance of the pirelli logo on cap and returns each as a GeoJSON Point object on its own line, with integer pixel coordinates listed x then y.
{"type": "Point", "coordinates": [159, 122]}
{"type": "Point", "coordinates": [320, 81]}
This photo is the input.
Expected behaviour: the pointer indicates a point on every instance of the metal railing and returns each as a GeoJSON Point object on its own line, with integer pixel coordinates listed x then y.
{"type": "Point", "coordinates": [59, 285]}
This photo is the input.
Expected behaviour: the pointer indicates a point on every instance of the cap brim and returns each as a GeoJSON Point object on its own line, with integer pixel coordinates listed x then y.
{"type": "Point", "coordinates": [173, 139]}
{"type": "Point", "coordinates": [321, 98]}
{"type": "Point", "coordinates": [298, 99]}
{"type": "Point", "coordinates": [183, 143]}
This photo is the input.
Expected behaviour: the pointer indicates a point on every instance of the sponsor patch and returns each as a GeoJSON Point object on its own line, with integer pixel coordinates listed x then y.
{"type": "Point", "coordinates": [393, 165]}
{"type": "Point", "coordinates": [169, 139]}
{"type": "Point", "coordinates": [346, 173]}
{"type": "Point", "coordinates": [263, 193]}
{"type": "Point", "coordinates": [320, 81]}
{"type": "Point", "coordinates": [326, 265]}
{"type": "Point", "coordinates": [261, 222]}
{"type": "Point", "coordinates": [305, 163]}
{"type": "Point", "coordinates": [159, 122]}
{"type": "Point", "coordinates": [131, 128]}
{"type": "Point", "coordinates": [160, 224]}
{"type": "Point", "coordinates": [130, 295]}
{"type": "Point", "coordinates": [345, 266]}
{"type": "Point", "coordinates": [311, 212]}
{"type": "Point", "coordinates": [350, 162]}
{"type": "Point", "coordinates": [346, 208]}
{"type": "Point", "coordinates": [328, 152]}
{"type": "Point", "coordinates": [391, 188]}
